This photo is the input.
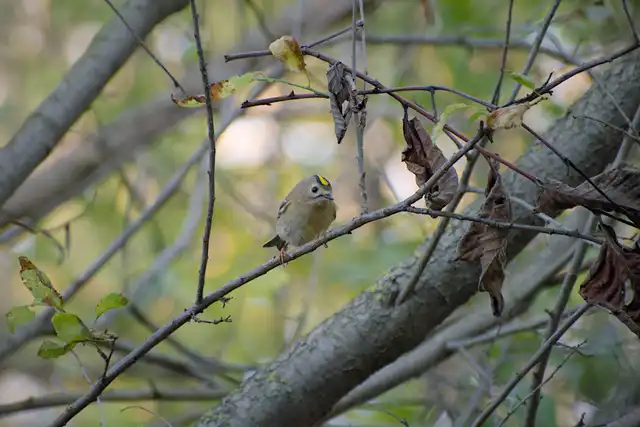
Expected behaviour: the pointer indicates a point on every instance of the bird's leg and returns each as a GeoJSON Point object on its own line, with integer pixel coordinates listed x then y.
{"type": "Point", "coordinates": [282, 252]}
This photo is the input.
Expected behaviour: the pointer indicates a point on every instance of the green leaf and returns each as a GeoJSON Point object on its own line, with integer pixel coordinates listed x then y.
{"type": "Point", "coordinates": [109, 302]}
{"type": "Point", "coordinates": [69, 328]}
{"type": "Point", "coordinates": [522, 79]}
{"type": "Point", "coordinates": [51, 350]}
{"type": "Point", "coordinates": [39, 284]}
{"type": "Point", "coordinates": [19, 316]}
{"type": "Point", "coordinates": [438, 129]}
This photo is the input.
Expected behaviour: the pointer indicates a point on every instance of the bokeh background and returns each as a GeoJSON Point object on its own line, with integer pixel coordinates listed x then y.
{"type": "Point", "coordinates": [260, 156]}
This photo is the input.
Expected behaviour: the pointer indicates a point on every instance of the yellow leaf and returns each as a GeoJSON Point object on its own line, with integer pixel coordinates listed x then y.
{"type": "Point", "coordinates": [507, 117]}
{"type": "Point", "coordinates": [219, 90]}
{"type": "Point", "coordinates": [287, 50]}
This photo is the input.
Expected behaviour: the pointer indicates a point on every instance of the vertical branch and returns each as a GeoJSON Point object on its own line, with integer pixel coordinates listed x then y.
{"type": "Point", "coordinates": [561, 304]}
{"type": "Point", "coordinates": [632, 27]}
{"type": "Point", "coordinates": [359, 116]}
{"type": "Point", "coordinates": [505, 51]}
{"type": "Point", "coordinates": [212, 154]}
{"type": "Point", "coordinates": [533, 53]}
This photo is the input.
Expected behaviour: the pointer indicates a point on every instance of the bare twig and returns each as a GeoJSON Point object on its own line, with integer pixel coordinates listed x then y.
{"type": "Point", "coordinates": [144, 46]}
{"type": "Point", "coordinates": [486, 413]}
{"type": "Point", "coordinates": [561, 304]}
{"type": "Point", "coordinates": [122, 395]}
{"type": "Point", "coordinates": [548, 88]}
{"type": "Point", "coordinates": [537, 43]}
{"type": "Point", "coordinates": [495, 99]}
{"type": "Point", "coordinates": [212, 155]}
{"type": "Point", "coordinates": [632, 27]}
{"type": "Point", "coordinates": [506, 225]}
{"type": "Point", "coordinates": [503, 331]}
{"type": "Point", "coordinates": [359, 111]}
{"type": "Point", "coordinates": [463, 41]}
{"type": "Point", "coordinates": [537, 389]}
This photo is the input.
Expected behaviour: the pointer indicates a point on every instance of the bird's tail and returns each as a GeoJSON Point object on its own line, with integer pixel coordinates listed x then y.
{"type": "Point", "coordinates": [276, 241]}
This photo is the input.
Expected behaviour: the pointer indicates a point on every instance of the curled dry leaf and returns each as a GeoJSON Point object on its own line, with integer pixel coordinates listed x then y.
{"type": "Point", "coordinates": [339, 92]}
{"type": "Point", "coordinates": [487, 244]}
{"type": "Point", "coordinates": [219, 90]}
{"type": "Point", "coordinates": [621, 185]}
{"type": "Point", "coordinates": [423, 158]}
{"type": "Point", "coordinates": [507, 117]}
{"type": "Point", "coordinates": [613, 281]}
{"type": "Point", "coordinates": [287, 50]}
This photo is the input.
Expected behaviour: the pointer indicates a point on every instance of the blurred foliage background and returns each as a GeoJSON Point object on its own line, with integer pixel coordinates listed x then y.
{"type": "Point", "coordinates": [260, 156]}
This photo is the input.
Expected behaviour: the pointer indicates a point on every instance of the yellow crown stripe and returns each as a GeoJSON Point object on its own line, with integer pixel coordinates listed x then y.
{"type": "Point", "coordinates": [323, 180]}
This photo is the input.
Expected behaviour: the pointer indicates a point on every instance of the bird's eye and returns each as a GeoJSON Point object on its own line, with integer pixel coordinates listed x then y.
{"type": "Point", "coordinates": [314, 189]}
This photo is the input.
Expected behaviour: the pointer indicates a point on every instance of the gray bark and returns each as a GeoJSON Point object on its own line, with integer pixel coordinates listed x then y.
{"type": "Point", "coordinates": [108, 51]}
{"type": "Point", "coordinates": [302, 385]}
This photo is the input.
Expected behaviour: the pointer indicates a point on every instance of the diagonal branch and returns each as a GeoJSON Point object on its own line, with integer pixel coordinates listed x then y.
{"type": "Point", "coordinates": [108, 51]}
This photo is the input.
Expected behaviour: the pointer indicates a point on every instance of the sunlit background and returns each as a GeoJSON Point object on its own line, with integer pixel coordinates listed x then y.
{"type": "Point", "coordinates": [116, 159]}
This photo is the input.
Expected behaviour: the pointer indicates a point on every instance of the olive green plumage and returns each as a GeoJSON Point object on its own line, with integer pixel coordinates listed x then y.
{"type": "Point", "coordinates": [304, 214]}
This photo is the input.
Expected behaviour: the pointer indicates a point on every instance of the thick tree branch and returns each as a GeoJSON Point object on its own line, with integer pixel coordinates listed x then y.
{"type": "Point", "coordinates": [301, 385]}
{"type": "Point", "coordinates": [108, 51]}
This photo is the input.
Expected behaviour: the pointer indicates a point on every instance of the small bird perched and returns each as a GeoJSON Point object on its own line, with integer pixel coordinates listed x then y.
{"type": "Point", "coordinates": [304, 214]}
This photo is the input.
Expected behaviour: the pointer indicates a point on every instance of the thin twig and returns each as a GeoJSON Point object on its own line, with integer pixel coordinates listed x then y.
{"type": "Point", "coordinates": [431, 89]}
{"type": "Point", "coordinates": [117, 395]}
{"type": "Point", "coordinates": [212, 155]}
{"type": "Point", "coordinates": [143, 46]}
{"type": "Point", "coordinates": [561, 304]}
{"type": "Point", "coordinates": [486, 413]}
{"type": "Point", "coordinates": [505, 225]}
{"type": "Point", "coordinates": [513, 410]}
{"type": "Point", "coordinates": [503, 331]}
{"type": "Point", "coordinates": [495, 99]}
{"type": "Point", "coordinates": [533, 53]}
{"type": "Point", "coordinates": [632, 27]}
{"type": "Point", "coordinates": [463, 41]}
{"type": "Point", "coordinates": [359, 115]}
{"type": "Point", "coordinates": [573, 166]}
{"type": "Point", "coordinates": [548, 87]}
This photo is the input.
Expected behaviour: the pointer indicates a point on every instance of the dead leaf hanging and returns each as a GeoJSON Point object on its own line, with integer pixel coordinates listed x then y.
{"type": "Point", "coordinates": [613, 281]}
{"type": "Point", "coordinates": [423, 158]}
{"type": "Point", "coordinates": [621, 185]}
{"type": "Point", "coordinates": [339, 92]}
{"type": "Point", "coordinates": [488, 244]}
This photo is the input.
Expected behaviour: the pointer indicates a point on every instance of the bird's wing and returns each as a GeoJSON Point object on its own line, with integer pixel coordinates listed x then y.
{"type": "Point", "coordinates": [283, 207]}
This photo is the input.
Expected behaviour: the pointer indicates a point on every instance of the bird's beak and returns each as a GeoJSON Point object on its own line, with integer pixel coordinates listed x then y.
{"type": "Point", "coordinates": [328, 196]}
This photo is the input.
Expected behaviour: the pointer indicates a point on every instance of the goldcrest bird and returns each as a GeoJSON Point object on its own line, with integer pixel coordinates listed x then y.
{"type": "Point", "coordinates": [304, 214]}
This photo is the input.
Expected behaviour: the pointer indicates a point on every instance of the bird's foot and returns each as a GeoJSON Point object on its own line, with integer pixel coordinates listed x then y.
{"type": "Point", "coordinates": [282, 254]}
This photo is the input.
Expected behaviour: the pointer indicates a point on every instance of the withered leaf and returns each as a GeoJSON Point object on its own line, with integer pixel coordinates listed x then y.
{"type": "Point", "coordinates": [423, 158]}
{"type": "Point", "coordinates": [339, 92]}
{"type": "Point", "coordinates": [621, 185]}
{"type": "Point", "coordinates": [487, 244]}
{"type": "Point", "coordinates": [612, 278]}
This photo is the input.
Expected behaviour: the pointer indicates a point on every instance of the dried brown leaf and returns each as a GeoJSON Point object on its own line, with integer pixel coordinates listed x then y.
{"type": "Point", "coordinates": [613, 281]}
{"type": "Point", "coordinates": [423, 158]}
{"type": "Point", "coordinates": [338, 93]}
{"type": "Point", "coordinates": [487, 244]}
{"type": "Point", "coordinates": [621, 185]}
